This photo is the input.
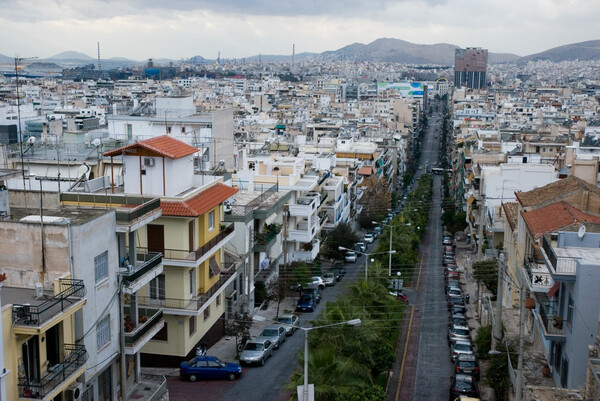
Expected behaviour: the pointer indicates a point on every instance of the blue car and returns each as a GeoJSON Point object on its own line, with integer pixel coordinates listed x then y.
{"type": "Point", "coordinates": [306, 303]}
{"type": "Point", "coordinates": [209, 367]}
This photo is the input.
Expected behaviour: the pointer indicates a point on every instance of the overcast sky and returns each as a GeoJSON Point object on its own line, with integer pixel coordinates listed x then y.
{"type": "Point", "coordinates": [141, 29]}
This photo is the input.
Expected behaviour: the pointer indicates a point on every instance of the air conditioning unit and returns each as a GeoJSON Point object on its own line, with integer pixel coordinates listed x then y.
{"type": "Point", "coordinates": [148, 162]}
{"type": "Point", "coordinates": [75, 392]}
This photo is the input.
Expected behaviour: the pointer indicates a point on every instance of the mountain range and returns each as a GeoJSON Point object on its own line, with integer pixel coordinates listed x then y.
{"type": "Point", "coordinates": [384, 49]}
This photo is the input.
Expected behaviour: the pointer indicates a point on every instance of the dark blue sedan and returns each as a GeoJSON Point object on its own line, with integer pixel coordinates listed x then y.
{"type": "Point", "coordinates": [209, 367]}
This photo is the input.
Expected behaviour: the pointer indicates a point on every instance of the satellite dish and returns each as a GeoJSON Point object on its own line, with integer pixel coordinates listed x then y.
{"type": "Point", "coordinates": [581, 232]}
{"type": "Point", "coordinates": [31, 140]}
{"type": "Point", "coordinates": [97, 142]}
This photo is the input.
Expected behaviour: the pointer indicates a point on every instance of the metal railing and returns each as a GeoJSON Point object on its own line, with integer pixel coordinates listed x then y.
{"type": "Point", "coordinates": [162, 385]}
{"type": "Point", "coordinates": [536, 278]}
{"type": "Point", "coordinates": [194, 303]}
{"type": "Point", "coordinates": [75, 357]}
{"type": "Point", "coordinates": [149, 261]}
{"type": "Point", "coordinates": [264, 238]}
{"type": "Point", "coordinates": [35, 315]}
{"type": "Point", "coordinates": [242, 210]}
{"type": "Point", "coordinates": [182, 254]}
{"type": "Point", "coordinates": [153, 316]}
{"type": "Point", "coordinates": [549, 252]}
{"type": "Point", "coordinates": [553, 324]}
{"type": "Point", "coordinates": [138, 205]}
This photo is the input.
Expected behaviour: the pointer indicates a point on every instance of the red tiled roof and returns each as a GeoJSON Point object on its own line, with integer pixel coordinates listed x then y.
{"type": "Point", "coordinates": [511, 209]}
{"type": "Point", "coordinates": [199, 204]}
{"type": "Point", "coordinates": [554, 217]}
{"type": "Point", "coordinates": [554, 191]}
{"type": "Point", "coordinates": [164, 145]}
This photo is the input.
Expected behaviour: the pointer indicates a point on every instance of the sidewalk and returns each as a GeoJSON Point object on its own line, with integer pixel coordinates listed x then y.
{"type": "Point", "coordinates": [224, 349]}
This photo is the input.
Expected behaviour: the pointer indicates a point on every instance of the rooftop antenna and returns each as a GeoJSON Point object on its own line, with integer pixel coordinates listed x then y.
{"type": "Point", "coordinates": [99, 63]}
{"type": "Point", "coordinates": [293, 53]}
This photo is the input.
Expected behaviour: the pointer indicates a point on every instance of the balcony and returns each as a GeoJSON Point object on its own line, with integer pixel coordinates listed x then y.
{"type": "Point", "coordinates": [305, 206]}
{"type": "Point", "coordinates": [264, 241]}
{"type": "Point", "coordinates": [562, 268]}
{"type": "Point", "coordinates": [150, 321]}
{"type": "Point", "coordinates": [551, 324]}
{"type": "Point", "coordinates": [58, 376]}
{"type": "Point", "coordinates": [151, 388]}
{"type": "Point", "coordinates": [302, 232]}
{"type": "Point", "coordinates": [184, 257]}
{"type": "Point", "coordinates": [194, 305]}
{"type": "Point", "coordinates": [538, 276]}
{"type": "Point", "coordinates": [147, 266]}
{"type": "Point", "coordinates": [38, 315]}
{"type": "Point", "coordinates": [132, 212]}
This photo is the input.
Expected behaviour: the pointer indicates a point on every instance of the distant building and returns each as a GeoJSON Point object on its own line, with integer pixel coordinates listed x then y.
{"type": "Point", "coordinates": [470, 67]}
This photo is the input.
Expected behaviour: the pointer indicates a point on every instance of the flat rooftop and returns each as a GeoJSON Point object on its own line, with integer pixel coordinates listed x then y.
{"type": "Point", "coordinates": [18, 295]}
{"type": "Point", "coordinates": [75, 216]}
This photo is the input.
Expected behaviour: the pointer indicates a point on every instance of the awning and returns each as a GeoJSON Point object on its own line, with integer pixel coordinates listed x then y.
{"type": "Point", "coordinates": [471, 199]}
{"type": "Point", "coordinates": [365, 170]}
{"type": "Point", "coordinates": [553, 290]}
{"type": "Point", "coordinates": [214, 266]}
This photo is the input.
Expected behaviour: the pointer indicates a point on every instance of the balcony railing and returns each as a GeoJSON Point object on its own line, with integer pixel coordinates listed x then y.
{"type": "Point", "coordinates": [181, 254]}
{"type": "Point", "coordinates": [35, 315]}
{"type": "Point", "coordinates": [552, 324]}
{"type": "Point", "coordinates": [538, 275]}
{"type": "Point", "coordinates": [195, 303]}
{"type": "Point", "coordinates": [561, 266]}
{"type": "Point", "coordinates": [263, 241]}
{"type": "Point", "coordinates": [141, 205]}
{"type": "Point", "coordinates": [149, 260]}
{"type": "Point", "coordinates": [242, 210]}
{"type": "Point", "coordinates": [147, 319]}
{"type": "Point", "coordinates": [75, 357]}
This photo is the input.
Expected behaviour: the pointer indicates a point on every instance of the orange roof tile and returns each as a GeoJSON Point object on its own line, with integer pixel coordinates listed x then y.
{"type": "Point", "coordinates": [510, 211]}
{"type": "Point", "coordinates": [554, 217]}
{"type": "Point", "coordinates": [164, 145]}
{"type": "Point", "coordinates": [199, 204]}
{"type": "Point", "coordinates": [554, 191]}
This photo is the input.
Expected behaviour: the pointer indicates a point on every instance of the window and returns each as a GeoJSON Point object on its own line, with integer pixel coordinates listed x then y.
{"type": "Point", "coordinates": [157, 287]}
{"type": "Point", "coordinates": [162, 335]}
{"type": "Point", "coordinates": [192, 323]}
{"type": "Point", "coordinates": [103, 331]}
{"type": "Point", "coordinates": [207, 312]}
{"type": "Point", "coordinates": [219, 299]}
{"type": "Point", "coordinates": [570, 307]}
{"type": "Point", "coordinates": [169, 129]}
{"type": "Point", "coordinates": [211, 221]}
{"type": "Point", "coordinates": [213, 267]}
{"type": "Point", "coordinates": [192, 281]}
{"type": "Point", "coordinates": [101, 266]}
{"type": "Point", "coordinates": [564, 372]}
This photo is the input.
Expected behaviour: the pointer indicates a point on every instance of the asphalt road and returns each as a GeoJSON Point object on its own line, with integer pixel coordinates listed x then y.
{"type": "Point", "coordinates": [433, 364]}
{"type": "Point", "coordinates": [267, 382]}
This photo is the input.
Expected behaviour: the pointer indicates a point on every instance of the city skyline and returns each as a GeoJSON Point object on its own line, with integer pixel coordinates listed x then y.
{"type": "Point", "coordinates": [237, 29]}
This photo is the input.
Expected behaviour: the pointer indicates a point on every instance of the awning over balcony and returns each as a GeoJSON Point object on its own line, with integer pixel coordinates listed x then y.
{"type": "Point", "coordinates": [552, 292]}
{"type": "Point", "coordinates": [365, 170]}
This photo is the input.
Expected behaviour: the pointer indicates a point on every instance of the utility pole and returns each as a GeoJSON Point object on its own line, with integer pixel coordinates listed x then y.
{"type": "Point", "coordinates": [519, 389]}
{"type": "Point", "coordinates": [498, 318]}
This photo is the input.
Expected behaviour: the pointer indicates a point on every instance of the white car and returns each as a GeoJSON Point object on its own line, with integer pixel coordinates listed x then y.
{"type": "Point", "coordinates": [350, 257]}
{"type": "Point", "coordinates": [289, 322]}
{"type": "Point", "coordinates": [329, 279]}
{"type": "Point", "coordinates": [368, 238]}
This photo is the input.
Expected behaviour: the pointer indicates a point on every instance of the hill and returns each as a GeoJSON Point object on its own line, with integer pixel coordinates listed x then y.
{"type": "Point", "coordinates": [71, 55]}
{"type": "Point", "coordinates": [401, 51]}
{"type": "Point", "coordinates": [589, 50]}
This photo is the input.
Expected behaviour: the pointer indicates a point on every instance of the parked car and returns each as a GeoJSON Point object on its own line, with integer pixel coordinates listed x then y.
{"type": "Point", "coordinates": [368, 238]}
{"type": "Point", "coordinates": [256, 352]}
{"type": "Point", "coordinates": [275, 334]}
{"type": "Point", "coordinates": [452, 283]}
{"type": "Point", "coordinates": [447, 240]}
{"type": "Point", "coordinates": [454, 292]}
{"type": "Point", "coordinates": [329, 279]}
{"type": "Point", "coordinates": [447, 259]}
{"type": "Point", "coordinates": [209, 367]}
{"type": "Point", "coordinates": [458, 333]}
{"type": "Point", "coordinates": [401, 295]}
{"type": "Point", "coordinates": [459, 320]}
{"type": "Point", "coordinates": [338, 272]}
{"type": "Point", "coordinates": [454, 302]}
{"type": "Point", "coordinates": [306, 303]}
{"type": "Point", "coordinates": [458, 310]}
{"type": "Point", "coordinates": [315, 292]}
{"type": "Point", "coordinates": [316, 282]}
{"type": "Point", "coordinates": [468, 365]}
{"type": "Point", "coordinates": [360, 247]}
{"type": "Point", "coordinates": [462, 385]}
{"type": "Point", "coordinates": [378, 229]}
{"type": "Point", "coordinates": [374, 233]}
{"type": "Point", "coordinates": [461, 347]}
{"type": "Point", "coordinates": [350, 257]}
{"type": "Point", "coordinates": [290, 323]}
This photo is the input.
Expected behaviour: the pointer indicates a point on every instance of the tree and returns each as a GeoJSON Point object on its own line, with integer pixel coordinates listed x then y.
{"type": "Point", "coordinates": [341, 235]}
{"type": "Point", "coordinates": [487, 272]}
{"type": "Point", "coordinates": [367, 393]}
{"type": "Point", "coordinates": [239, 327]}
{"type": "Point", "coordinates": [276, 291]}
{"type": "Point", "coordinates": [377, 200]}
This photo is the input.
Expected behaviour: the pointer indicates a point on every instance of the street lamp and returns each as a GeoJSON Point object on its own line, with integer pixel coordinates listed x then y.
{"type": "Point", "coordinates": [353, 322]}
{"type": "Point", "coordinates": [341, 248]}
{"type": "Point", "coordinates": [391, 231]}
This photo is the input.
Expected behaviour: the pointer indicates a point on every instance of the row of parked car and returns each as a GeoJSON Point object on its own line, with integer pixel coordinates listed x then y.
{"type": "Point", "coordinates": [464, 381]}
{"type": "Point", "coordinates": [311, 295]}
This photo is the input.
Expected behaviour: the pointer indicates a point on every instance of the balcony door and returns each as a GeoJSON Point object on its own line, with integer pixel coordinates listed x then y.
{"type": "Point", "coordinates": [156, 238]}
{"type": "Point", "coordinates": [31, 359]}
